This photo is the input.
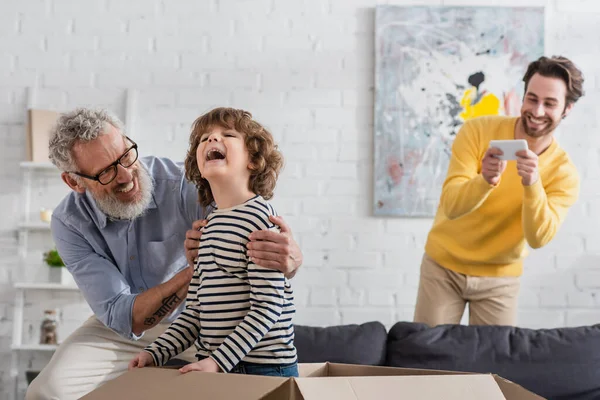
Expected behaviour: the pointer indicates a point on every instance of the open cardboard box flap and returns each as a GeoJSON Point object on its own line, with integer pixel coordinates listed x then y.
{"type": "Point", "coordinates": [317, 381]}
{"type": "Point", "coordinates": [167, 383]}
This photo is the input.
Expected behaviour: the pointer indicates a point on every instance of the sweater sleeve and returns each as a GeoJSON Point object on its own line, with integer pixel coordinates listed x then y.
{"type": "Point", "coordinates": [266, 304]}
{"type": "Point", "coordinates": [464, 189]}
{"type": "Point", "coordinates": [545, 208]}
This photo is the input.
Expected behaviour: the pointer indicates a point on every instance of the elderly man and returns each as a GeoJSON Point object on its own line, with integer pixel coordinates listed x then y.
{"type": "Point", "coordinates": [121, 234]}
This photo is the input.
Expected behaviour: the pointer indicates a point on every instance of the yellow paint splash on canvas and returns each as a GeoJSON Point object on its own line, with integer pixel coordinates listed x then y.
{"type": "Point", "coordinates": [489, 104]}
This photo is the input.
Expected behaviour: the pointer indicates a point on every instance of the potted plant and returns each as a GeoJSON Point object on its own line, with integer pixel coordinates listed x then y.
{"type": "Point", "coordinates": [58, 273]}
{"type": "Point", "coordinates": [53, 259]}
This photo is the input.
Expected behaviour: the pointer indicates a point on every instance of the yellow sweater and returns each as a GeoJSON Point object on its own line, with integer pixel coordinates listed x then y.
{"type": "Point", "coordinates": [481, 230]}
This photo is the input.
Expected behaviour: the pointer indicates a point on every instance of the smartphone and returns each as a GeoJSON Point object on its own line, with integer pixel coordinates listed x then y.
{"type": "Point", "coordinates": [509, 147]}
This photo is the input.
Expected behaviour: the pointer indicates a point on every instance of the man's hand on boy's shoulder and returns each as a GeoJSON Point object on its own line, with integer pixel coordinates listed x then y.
{"type": "Point", "coordinates": [192, 241]}
{"type": "Point", "coordinates": [276, 250]}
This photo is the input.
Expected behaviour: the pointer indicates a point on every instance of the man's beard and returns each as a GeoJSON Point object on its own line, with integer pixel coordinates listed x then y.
{"type": "Point", "coordinates": [117, 209]}
{"type": "Point", "coordinates": [551, 125]}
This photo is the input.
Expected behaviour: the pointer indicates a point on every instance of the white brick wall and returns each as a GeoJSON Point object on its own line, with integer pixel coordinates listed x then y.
{"type": "Point", "coordinates": [305, 69]}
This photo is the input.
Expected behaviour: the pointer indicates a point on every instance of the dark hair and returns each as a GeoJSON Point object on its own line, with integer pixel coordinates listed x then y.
{"type": "Point", "coordinates": [558, 67]}
{"type": "Point", "coordinates": [265, 159]}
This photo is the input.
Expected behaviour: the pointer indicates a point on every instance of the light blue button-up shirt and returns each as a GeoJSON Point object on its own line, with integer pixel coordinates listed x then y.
{"type": "Point", "coordinates": [113, 261]}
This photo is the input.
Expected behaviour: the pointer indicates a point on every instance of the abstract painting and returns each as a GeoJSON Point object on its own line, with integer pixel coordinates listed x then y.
{"type": "Point", "coordinates": [435, 68]}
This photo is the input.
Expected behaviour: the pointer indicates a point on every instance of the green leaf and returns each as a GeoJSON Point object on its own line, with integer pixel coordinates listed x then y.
{"type": "Point", "coordinates": [53, 259]}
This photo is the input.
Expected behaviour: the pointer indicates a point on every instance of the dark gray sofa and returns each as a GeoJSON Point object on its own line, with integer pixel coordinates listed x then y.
{"type": "Point", "coordinates": [558, 364]}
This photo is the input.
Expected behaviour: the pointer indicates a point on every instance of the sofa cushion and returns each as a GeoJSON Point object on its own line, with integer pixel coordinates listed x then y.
{"type": "Point", "coordinates": [351, 344]}
{"type": "Point", "coordinates": [562, 363]}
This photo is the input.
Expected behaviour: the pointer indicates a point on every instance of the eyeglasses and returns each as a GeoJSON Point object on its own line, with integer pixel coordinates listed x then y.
{"type": "Point", "coordinates": [108, 174]}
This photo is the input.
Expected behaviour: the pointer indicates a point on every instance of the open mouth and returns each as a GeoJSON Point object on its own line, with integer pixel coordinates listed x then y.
{"type": "Point", "coordinates": [214, 154]}
{"type": "Point", "coordinates": [126, 188]}
{"type": "Point", "coordinates": [538, 122]}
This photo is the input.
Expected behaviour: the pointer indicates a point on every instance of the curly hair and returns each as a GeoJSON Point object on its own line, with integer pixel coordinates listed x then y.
{"type": "Point", "coordinates": [265, 158]}
{"type": "Point", "coordinates": [558, 67]}
{"type": "Point", "coordinates": [81, 124]}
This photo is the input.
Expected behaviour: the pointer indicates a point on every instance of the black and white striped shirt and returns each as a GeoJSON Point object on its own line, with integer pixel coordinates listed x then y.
{"type": "Point", "coordinates": [235, 310]}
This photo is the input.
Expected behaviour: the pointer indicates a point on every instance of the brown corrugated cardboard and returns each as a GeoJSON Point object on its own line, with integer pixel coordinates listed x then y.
{"type": "Point", "coordinates": [449, 387]}
{"type": "Point", "coordinates": [508, 388]}
{"type": "Point", "coordinates": [335, 369]}
{"type": "Point", "coordinates": [166, 383]}
{"type": "Point", "coordinates": [39, 124]}
{"type": "Point", "coordinates": [317, 381]}
{"type": "Point", "coordinates": [514, 391]}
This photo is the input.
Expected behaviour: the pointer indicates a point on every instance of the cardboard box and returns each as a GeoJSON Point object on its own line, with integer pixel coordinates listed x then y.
{"type": "Point", "coordinates": [317, 381]}
{"type": "Point", "coordinates": [39, 124]}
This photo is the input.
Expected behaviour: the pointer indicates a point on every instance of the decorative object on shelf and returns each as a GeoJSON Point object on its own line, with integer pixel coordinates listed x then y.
{"type": "Point", "coordinates": [53, 259]}
{"type": "Point", "coordinates": [39, 124]}
{"type": "Point", "coordinates": [58, 272]}
{"type": "Point", "coordinates": [45, 214]}
{"type": "Point", "coordinates": [48, 328]}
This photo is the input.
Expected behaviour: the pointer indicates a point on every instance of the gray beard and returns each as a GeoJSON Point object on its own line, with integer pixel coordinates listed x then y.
{"type": "Point", "coordinates": [116, 209]}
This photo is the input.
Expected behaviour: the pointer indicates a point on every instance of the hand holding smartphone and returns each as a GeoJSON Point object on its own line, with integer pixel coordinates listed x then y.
{"type": "Point", "coordinates": [509, 147]}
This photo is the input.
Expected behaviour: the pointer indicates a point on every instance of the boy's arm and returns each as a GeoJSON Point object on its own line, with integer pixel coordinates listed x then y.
{"type": "Point", "coordinates": [267, 299]}
{"type": "Point", "coordinates": [544, 209]}
{"type": "Point", "coordinates": [182, 332]}
{"type": "Point", "coordinates": [464, 189]}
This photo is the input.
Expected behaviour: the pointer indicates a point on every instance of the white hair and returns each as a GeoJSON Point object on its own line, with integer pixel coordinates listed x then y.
{"type": "Point", "coordinates": [81, 124]}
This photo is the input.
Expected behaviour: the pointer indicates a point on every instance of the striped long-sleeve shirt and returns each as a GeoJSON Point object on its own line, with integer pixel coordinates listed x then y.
{"type": "Point", "coordinates": [235, 310]}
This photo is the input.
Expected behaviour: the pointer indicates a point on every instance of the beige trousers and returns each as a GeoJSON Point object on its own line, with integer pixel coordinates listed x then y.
{"type": "Point", "coordinates": [443, 295]}
{"type": "Point", "coordinates": [89, 357]}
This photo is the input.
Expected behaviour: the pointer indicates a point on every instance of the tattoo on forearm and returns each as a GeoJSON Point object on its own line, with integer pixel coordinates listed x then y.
{"type": "Point", "coordinates": [168, 304]}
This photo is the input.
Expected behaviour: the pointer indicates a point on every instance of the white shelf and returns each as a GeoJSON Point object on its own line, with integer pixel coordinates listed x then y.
{"type": "Point", "coordinates": [38, 165]}
{"type": "Point", "coordinates": [44, 286]}
{"type": "Point", "coordinates": [35, 226]}
{"type": "Point", "coordinates": [35, 347]}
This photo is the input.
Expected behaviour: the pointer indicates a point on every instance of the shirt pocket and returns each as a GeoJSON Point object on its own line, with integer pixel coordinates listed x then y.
{"type": "Point", "coordinates": [167, 257]}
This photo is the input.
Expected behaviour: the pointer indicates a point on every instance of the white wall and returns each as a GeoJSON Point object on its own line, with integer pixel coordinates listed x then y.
{"type": "Point", "coordinates": [305, 69]}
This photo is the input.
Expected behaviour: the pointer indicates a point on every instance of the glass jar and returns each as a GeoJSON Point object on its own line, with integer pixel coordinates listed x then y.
{"type": "Point", "coordinates": [48, 328]}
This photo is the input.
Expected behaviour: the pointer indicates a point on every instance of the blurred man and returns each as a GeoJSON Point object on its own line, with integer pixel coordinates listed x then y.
{"type": "Point", "coordinates": [490, 208]}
